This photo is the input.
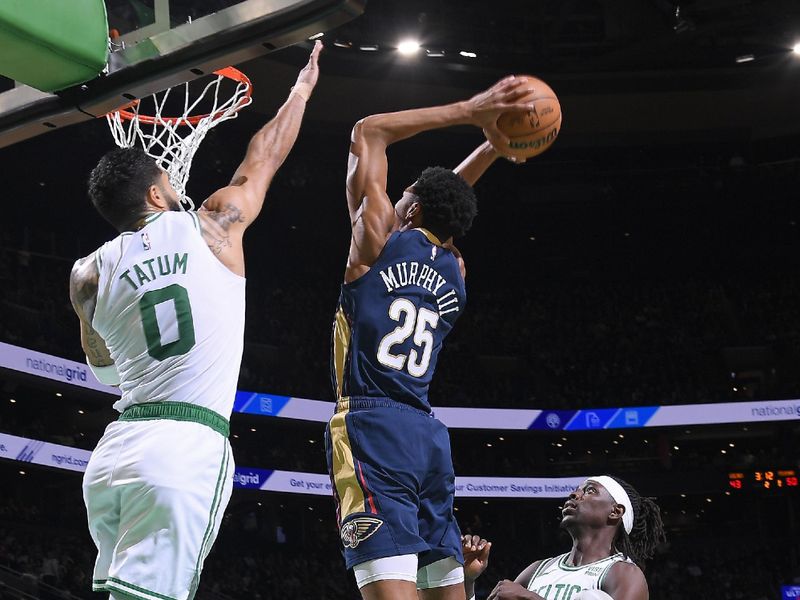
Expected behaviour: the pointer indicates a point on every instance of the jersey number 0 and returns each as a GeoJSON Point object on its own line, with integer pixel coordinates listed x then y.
{"type": "Point", "coordinates": [412, 321]}
{"type": "Point", "coordinates": [183, 315]}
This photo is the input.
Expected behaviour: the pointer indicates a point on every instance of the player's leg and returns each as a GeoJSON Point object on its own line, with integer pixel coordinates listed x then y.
{"type": "Point", "coordinates": [373, 457]}
{"type": "Point", "coordinates": [171, 508]}
{"type": "Point", "coordinates": [441, 572]}
{"type": "Point", "coordinates": [102, 504]}
{"type": "Point", "coordinates": [392, 577]}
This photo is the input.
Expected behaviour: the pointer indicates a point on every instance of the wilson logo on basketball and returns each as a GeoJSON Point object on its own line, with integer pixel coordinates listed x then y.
{"type": "Point", "coordinates": [519, 144]}
{"type": "Point", "coordinates": [359, 529]}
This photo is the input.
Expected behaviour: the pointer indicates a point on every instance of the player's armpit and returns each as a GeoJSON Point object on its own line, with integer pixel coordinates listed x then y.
{"type": "Point", "coordinates": [223, 230]}
{"type": "Point", "coordinates": [524, 578]}
{"type": "Point", "coordinates": [625, 581]}
{"type": "Point", "coordinates": [234, 206]}
{"type": "Point", "coordinates": [371, 228]}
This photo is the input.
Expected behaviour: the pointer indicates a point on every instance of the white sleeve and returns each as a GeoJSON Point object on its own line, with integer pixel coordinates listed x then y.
{"type": "Point", "coordinates": [107, 375]}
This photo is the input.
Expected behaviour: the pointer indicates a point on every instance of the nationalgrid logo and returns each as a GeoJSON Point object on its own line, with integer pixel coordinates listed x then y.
{"type": "Point", "coordinates": [29, 451]}
{"type": "Point", "coordinates": [790, 411]}
{"type": "Point", "coordinates": [62, 459]}
{"type": "Point", "coordinates": [66, 372]}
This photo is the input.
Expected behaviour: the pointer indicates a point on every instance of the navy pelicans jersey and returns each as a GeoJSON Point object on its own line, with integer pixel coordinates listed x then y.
{"type": "Point", "coordinates": [391, 321]}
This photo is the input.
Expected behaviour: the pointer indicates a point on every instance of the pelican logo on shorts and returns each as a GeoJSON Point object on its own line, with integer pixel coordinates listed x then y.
{"type": "Point", "coordinates": [359, 529]}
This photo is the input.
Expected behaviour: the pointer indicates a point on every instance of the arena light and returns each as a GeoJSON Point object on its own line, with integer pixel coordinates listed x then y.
{"type": "Point", "coordinates": [468, 54]}
{"type": "Point", "coordinates": [408, 47]}
{"type": "Point", "coordinates": [368, 48]}
{"type": "Point", "coordinates": [434, 53]}
{"type": "Point", "coordinates": [745, 58]}
{"type": "Point", "coordinates": [316, 36]}
{"type": "Point", "coordinates": [796, 48]}
{"type": "Point", "coordinates": [341, 44]}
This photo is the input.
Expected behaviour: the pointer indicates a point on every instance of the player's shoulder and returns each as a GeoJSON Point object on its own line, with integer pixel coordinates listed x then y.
{"type": "Point", "coordinates": [85, 266]}
{"type": "Point", "coordinates": [527, 575]}
{"type": "Point", "coordinates": [625, 574]}
{"type": "Point", "coordinates": [83, 282]}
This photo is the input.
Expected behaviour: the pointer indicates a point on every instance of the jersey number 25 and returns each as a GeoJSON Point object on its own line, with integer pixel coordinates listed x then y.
{"type": "Point", "coordinates": [412, 321]}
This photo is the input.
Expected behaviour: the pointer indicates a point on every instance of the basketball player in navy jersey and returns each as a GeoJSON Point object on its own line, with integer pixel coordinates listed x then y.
{"type": "Point", "coordinates": [403, 290]}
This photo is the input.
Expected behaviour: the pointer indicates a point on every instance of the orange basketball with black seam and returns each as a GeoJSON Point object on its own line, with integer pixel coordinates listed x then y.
{"type": "Point", "coordinates": [531, 133]}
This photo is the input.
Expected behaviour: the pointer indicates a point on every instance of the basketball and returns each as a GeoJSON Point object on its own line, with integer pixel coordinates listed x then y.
{"type": "Point", "coordinates": [532, 132]}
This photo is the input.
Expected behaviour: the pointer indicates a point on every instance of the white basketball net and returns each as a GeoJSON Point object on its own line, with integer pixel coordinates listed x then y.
{"type": "Point", "coordinates": [173, 141]}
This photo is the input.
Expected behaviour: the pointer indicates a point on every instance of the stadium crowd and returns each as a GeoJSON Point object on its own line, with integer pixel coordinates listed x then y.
{"type": "Point", "coordinates": [278, 548]}
{"type": "Point", "coordinates": [558, 345]}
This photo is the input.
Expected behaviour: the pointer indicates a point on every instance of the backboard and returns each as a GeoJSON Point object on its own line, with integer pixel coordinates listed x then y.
{"type": "Point", "coordinates": [157, 44]}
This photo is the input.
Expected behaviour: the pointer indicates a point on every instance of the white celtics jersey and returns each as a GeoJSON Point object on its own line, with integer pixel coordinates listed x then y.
{"type": "Point", "coordinates": [556, 580]}
{"type": "Point", "coordinates": [172, 315]}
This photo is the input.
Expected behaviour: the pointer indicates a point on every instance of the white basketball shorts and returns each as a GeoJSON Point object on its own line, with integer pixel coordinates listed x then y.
{"type": "Point", "coordinates": [155, 492]}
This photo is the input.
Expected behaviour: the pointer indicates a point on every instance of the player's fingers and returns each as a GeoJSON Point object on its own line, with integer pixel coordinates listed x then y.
{"type": "Point", "coordinates": [517, 106]}
{"type": "Point", "coordinates": [517, 93]}
{"type": "Point", "coordinates": [315, 53]}
{"type": "Point", "coordinates": [496, 137]}
{"type": "Point", "coordinates": [493, 593]}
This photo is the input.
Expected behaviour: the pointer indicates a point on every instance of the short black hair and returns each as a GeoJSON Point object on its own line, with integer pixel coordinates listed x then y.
{"type": "Point", "coordinates": [118, 185]}
{"type": "Point", "coordinates": [448, 202]}
{"type": "Point", "coordinates": [648, 529]}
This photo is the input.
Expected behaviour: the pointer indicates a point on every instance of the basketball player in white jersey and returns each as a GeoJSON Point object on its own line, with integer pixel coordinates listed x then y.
{"type": "Point", "coordinates": [161, 310]}
{"type": "Point", "coordinates": [613, 530]}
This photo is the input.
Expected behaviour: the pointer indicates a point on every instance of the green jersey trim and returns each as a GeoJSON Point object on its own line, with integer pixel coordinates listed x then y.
{"type": "Point", "coordinates": [212, 518]}
{"type": "Point", "coordinates": [177, 411]}
{"type": "Point", "coordinates": [114, 584]}
{"type": "Point", "coordinates": [562, 564]}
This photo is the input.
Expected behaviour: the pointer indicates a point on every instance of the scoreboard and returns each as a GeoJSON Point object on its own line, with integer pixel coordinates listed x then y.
{"type": "Point", "coordinates": [770, 479]}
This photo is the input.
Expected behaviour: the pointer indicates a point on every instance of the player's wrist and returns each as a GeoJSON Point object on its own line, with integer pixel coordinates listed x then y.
{"type": "Point", "coordinates": [302, 89]}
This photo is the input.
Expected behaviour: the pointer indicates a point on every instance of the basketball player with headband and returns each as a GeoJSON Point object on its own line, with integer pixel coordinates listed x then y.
{"type": "Point", "coordinates": [161, 311]}
{"type": "Point", "coordinates": [613, 530]}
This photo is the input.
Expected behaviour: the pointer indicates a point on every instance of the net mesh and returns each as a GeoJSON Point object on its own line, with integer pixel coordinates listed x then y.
{"type": "Point", "coordinates": [173, 141]}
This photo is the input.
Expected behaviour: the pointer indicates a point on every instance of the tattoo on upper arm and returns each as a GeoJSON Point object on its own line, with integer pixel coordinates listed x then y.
{"type": "Point", "coordinates": [216, 228]}
{"type": "Point", "coordinates": [83, 284]}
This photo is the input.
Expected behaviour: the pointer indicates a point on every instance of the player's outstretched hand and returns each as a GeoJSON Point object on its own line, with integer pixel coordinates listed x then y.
{"type": "Point", "coordinates": [476, 555]}
{"type": "Point", "coordinates": [310, 73]}
{"type": "Point", "coordinates": [504, 96]}
{"type": "Point", "coordinates": [508, 590]}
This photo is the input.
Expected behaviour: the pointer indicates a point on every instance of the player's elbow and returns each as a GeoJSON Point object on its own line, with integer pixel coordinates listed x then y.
{"type": "Point", "coordinates": [368, 129]}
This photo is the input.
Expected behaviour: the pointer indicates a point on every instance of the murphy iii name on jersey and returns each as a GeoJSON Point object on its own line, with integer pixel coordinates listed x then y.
{"type": "Point", "coordinates": [407, 273]}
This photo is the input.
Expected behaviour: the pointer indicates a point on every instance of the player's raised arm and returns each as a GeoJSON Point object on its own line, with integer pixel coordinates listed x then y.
{"type": "Point", "coordinates": [371, 212]}
{"type": "Point", "coordinates": [243, 198]}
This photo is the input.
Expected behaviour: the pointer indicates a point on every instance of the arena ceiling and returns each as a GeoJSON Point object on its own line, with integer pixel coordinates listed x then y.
{"type": "Point", "coordinates": [625, 70]}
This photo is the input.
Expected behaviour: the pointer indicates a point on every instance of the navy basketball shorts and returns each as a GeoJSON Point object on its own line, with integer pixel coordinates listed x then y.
{"type": "Point", "coordinates": [393, 481]}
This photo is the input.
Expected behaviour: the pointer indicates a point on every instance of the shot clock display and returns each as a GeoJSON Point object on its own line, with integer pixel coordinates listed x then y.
{"type": "Point", "coordinates": [776, 479]}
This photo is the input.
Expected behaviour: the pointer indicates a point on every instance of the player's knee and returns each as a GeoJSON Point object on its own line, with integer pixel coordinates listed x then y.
{"type": "Point", "coordinates": [444, 572]}
{"type": "Point", "coordinates": [402, 567]}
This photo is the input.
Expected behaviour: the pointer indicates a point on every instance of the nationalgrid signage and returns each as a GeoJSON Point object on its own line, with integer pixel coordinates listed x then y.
{"type": "Point", "coordinates": [51, 367]}
{"type": "Point", "coordinates": [319, 484]}
{"type": "Point", "coordinates": [271, 405]}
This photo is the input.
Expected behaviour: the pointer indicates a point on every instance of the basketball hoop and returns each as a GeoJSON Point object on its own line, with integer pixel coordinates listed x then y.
{"type": "Point", "coordinates": [173, 141]}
